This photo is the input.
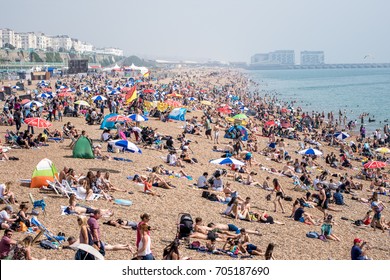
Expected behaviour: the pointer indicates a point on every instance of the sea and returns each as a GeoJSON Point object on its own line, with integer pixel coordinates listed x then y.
{"type": "Point", "coordinates": [353, 91]}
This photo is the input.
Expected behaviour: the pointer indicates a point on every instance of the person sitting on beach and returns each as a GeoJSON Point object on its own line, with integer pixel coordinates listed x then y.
{"type": "Point", "coordinates": [108, 185]}
{"type": "Point", "coordinates": [236, 211]}
{"type": "Point", "coordinates": [171, 252]}
{"type": "Point", "coordinates": [6, 193]}
{"type": "Point", "coordinates": [217, 183]}
{"type": "Point", "coordinates": [232, 247]}
{"type": "Point", "coordinates": [63, 173]}
{"type": "Point", "coordinates": [5, 218]}
{"type": "Point", "coordinates": [172, 160]}
{"type": "Point", "coordinates": [250, 181]}
{"type": "Point", "coordinates": [6, 244]}
{"type": "Point", "coordinates": [90, 183]}
{"type": "Point", "coordinates": [301, 216]}
{"type": "Point", "coordinates": [22, 250]}
{"type": "Point", "coordinates": [326, 228]}
{"type": "Point", "coordinates": [357, 252]}
{"type": "Point", "coordinates": [203, 182]}
{"type": "Point", "coordinates": [22, 215]}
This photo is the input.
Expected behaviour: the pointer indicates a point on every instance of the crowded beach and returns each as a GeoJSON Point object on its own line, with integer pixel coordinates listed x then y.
{"type": "Point", "coordinates": [186, 164]}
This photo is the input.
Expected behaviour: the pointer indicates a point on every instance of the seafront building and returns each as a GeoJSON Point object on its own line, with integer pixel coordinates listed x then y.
{"type": "Point", "coordinates": [57, 43]}
{"type": "Point", "coordinates": [279, 57]}
{"type": "Point", "coordinates": [312, 58]}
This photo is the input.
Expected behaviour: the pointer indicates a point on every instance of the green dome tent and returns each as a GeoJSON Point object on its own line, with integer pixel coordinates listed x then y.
{"type": "Point", "coordinates": [83, 148]}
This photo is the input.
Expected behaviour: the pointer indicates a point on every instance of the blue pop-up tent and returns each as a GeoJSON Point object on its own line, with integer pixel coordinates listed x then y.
{"type": "Point", "coordinates": [237, 130]}
{"type": "Point", "coordinates": [107, 124]}
{"type": "Point", "coordinates": [178, 114]}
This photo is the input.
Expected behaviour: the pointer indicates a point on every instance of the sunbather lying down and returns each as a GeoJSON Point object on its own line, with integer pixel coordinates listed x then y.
{"type": "Point", "coordinates": [122, 224]}
{"type": "Point", "coordinates": [108, 247]}
{"type": "Point", "coordinates": [74, 208]}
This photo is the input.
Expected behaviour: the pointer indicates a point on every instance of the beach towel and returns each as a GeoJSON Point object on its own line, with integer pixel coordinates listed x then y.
{"type": "Point", "coordinates": [122, 159]}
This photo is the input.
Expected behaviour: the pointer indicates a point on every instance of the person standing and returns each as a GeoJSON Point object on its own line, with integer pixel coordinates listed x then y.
{"type": "Point", "coordinates": [95, 230]}
{"type": "Point", "coordinates": [144, 247]}
{"type": "Point", "coordinates": [17, 120]}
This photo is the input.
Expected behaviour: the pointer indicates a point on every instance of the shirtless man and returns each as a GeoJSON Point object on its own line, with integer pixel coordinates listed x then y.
{"type": "Point", "coordinates": [227, 228]}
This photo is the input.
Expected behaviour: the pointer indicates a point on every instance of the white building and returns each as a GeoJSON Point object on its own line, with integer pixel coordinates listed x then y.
{"type": "Point", "coordinates": [110, 51]}
{"type": "Point", "coordinates": [81, 47]}
{"type": "Point", "coordinates": [312, 58]}
{"type": "Point", "coordinates": [43, 41]}
{"type": "Point", "coordinates": [8, 36]}
{"type": "Point", "coordinates": [61, 43]}
{"type": "Point", "coordinates": [1, 39]}
{"type": "Point", "coordinates": [28, 40]}
{"type": "Point", "coordinates": [280, 57]}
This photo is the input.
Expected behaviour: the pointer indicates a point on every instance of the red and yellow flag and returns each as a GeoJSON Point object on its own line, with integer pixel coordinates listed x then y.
{"type": "Point", "coordinates": [131, 95]}
{"type": "Point", "coordinates": [147, 74]}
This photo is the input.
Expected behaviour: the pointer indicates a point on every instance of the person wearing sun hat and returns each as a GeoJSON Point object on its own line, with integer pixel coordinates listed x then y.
{"type": "Point", "coordinates": [357, 252]}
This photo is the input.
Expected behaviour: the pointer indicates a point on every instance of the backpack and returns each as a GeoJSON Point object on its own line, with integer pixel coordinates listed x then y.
{"type": "Point", "coordinates": [194, 245]}
{"type": "Point", "coordinates": [205, 194]}
{"type": "Point", "coordinates": [312, 234]}
{"type": "Point", "coordinates": [186, 226]}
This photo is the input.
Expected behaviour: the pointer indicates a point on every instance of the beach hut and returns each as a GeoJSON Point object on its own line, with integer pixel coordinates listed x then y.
{"type": "Point", "coordinates": [107, 124]}
{"type": "Point", "coordinates": [83, 148]}
{"type": "Point", "coordinates": [45, 170]}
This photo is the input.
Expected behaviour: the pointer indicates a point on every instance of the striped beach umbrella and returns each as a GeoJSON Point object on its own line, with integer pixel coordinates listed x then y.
{"type": "Point", "coordinates": [99, 98]}
{"type": "Point", "coordinates": [341, 135]}
{"type": "Point", "coordinates": [310, 151]}
{"type": "Point", "coordinates": [138, 118]}
{"type": "Point", "coordinates": [82, 103]}
{"type": "Point", "coordinates": [227, 160]}
{"type": "Point", "coordinates": [119, 118]}
{"type": "Point", "coordinates": [33, 103]}
{"type": "Point", "coordinates": [127, 145]}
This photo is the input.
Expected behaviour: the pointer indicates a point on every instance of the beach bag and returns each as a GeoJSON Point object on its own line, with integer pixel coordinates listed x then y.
{"type": "Point", "coordinates": [194, 245]}
{"type": "Point", "coordinates": [213, 197]}
{"type": "Point", "coordinates": [268, 197]}
{"type": "Point", "coordinates": [358, 222]}
{"type": "Point", "coordinates": [205, 194]}
{"type": "Point", "coordinates": [288, 198]}
{"type": "Point", "coordinates": [312, 234]}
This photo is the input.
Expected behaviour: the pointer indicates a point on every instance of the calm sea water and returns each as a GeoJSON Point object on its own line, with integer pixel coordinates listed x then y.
{"type": "Point", "coordinates": [352, 90]}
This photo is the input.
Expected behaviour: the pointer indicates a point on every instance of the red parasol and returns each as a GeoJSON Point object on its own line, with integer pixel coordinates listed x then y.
{"type": "Point", "coordinates": [37, 122]}
{"type": "Point", "coordinates": [374, 164]}
{"type": "Point", "coordinates": [119, 118]}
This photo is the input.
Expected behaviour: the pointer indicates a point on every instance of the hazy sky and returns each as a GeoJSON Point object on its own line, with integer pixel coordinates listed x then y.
{"type": "Point", "coordinates": [347, 30]}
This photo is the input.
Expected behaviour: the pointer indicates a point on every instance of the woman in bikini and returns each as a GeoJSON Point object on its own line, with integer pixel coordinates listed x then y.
{"type": "Point", "coordinates": [279, 194]}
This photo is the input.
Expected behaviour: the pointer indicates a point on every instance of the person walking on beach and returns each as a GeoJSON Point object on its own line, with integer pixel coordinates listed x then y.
{"type": "Point", "coordinates": [279, 194]}
{"type": "Point", "coordinates": [207, 126]}
{"type": "Point", "coordinates": [95, 230]}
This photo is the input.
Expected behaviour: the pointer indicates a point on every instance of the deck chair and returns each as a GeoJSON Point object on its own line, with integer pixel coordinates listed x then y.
{"type": "Point", "coordinates": [46, 232]}
{"type": "Point", "coordinates": [12, 137]}
{"type": "Point", "coordinates": [53, 186]}
{"type": "Point", "coordinates": [4, 200]}
{"type": "Point", "coordinates": [68, 189]}
{"type": "Point", "coordinates": [37, 203]}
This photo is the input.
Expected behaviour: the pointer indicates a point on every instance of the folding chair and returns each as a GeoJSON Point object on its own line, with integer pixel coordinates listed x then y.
{"type": "Point", "coordinates": [54, 187]}
{"type": "Point", "coordinates": [37, 203]}
{"type": "Point", "coordinates": [45, 231]}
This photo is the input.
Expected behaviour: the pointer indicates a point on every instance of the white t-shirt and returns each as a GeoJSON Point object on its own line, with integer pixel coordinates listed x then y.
{"type": "Point", "coordinates": [202, 181]}
{"type": "Point", "coordinates": [172, 159]}
{"type": "Point", "coordinates": [3, 216]}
